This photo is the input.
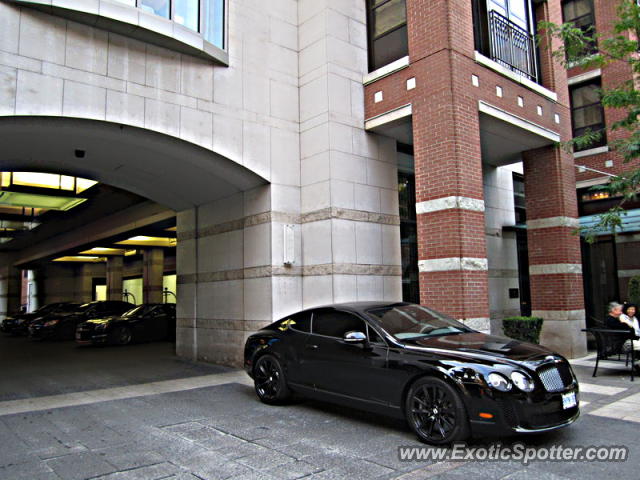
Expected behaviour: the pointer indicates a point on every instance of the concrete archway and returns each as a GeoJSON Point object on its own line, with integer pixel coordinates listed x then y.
{"type": "Point", "coordinates": [165, 169]}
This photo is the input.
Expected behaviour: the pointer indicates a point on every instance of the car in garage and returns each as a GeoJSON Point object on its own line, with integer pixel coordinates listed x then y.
{"type": "Point", "coordinates": [63, 326]}
{"type": "Point", "coordinates": [405, 360]}
{"type": "Point", "coordinates": [18, 324]}
{"type": "Point", "coordinates": [144, 323]}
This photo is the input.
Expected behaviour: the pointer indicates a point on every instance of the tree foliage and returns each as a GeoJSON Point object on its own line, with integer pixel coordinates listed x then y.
{"type": "Point", "coordinates": [622, 44]}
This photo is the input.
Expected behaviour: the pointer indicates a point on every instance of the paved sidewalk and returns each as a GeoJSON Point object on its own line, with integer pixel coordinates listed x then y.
{"type": "Point", "coordinates": [212, 426]}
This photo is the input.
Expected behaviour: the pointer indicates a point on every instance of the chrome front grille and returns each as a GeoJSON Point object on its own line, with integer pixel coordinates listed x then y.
{"type": "Point", "coordinates": [553, 379]}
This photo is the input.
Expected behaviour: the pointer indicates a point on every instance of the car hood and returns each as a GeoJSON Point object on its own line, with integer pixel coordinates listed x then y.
{"type": "Point", "coordinates": [484, 345]}
{"type": "Point", "coordinates": [100, 321]}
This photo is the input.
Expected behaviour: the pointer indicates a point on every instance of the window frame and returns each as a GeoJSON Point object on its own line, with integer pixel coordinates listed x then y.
{"type": "Point", "coordinates": [597, 81]}
{"type": "Point", "coordinates": [592, 48]}
{"type": "Point", "coordinates": [372, 38]}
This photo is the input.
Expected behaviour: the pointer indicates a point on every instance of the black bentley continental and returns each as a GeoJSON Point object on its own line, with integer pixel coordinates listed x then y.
{"type": "Point", "coordinates": [405, 360]}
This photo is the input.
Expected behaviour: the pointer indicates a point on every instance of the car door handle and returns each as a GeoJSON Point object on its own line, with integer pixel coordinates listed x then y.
{"type": "Point", "coordinates": [311, 346]}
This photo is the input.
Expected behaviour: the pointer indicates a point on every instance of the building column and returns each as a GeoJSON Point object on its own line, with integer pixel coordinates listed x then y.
{"type": "Point", "coordinates": [10, 285]}
{"type": "Point", "coordinates": [152, 272]}
{"type": "Point", "coordinates": [555, 264]}
{"type": "Point", "coordinates": [115, 265]}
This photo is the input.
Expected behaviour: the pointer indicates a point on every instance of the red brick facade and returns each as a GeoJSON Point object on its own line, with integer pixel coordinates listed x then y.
{"type": "Point", "coordinates": [448, 159]}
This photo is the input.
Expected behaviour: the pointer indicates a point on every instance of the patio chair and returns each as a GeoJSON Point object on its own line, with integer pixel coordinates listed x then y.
{"type": "Point", "coordinates": [611, 342]}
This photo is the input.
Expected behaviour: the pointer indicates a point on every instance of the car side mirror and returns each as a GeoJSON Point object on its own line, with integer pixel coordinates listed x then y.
{"type": "Point", "coordinates": [355, 337]}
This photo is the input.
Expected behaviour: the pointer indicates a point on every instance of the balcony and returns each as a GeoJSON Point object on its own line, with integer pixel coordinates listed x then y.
{"type": "Point", "coordinates": [506, 43]}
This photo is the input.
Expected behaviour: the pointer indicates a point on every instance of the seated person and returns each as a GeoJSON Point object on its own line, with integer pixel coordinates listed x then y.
{"type": "Point", "coordinates": [615, 322]}
{"type": "Point", "coordinates": [628, 316]}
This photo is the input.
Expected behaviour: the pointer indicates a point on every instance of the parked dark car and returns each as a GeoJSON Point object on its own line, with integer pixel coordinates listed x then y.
{"type": "Point", "coordinates": [147, 322]}
{"type": "Point", "coordinates": [18, 324]}
{"type": "Point", "coordinates": [63, 326]}
{"type": "Point", "coordinates": [409, 361]}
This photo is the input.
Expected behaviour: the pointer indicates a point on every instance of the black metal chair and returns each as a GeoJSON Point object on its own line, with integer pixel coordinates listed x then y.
{"type": "Point", "coordinates": [611, 342]}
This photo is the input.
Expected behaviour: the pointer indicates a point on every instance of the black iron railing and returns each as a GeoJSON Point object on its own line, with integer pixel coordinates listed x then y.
{"type": "Point", "coordinates": [512, 46]}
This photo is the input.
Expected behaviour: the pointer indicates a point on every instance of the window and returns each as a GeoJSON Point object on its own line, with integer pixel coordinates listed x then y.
{"type": "Point", "coordinates": [580, 13]}
{"type": "Point", "coordinates": [587, 113]}
{"type": "Point", "coordinates": [504, 31]}
{"type": "Point", "coordinates": [302, 322]}
{"type": "Point", "coordinates": [332, 323]}
{"type": "Point", "coordinates": [204, 16]}
{"type": "Point", "coordinates": [387, 25]}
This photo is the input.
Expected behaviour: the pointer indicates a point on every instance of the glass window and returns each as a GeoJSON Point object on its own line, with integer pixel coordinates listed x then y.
{"type": "Point", "coordinates": [185, 12]}
{"type": "Point", "coordinates": [332, 323]}
{"type": "Point", "coordinates": [213, 17]}
{"type": "Point", "coordinates": [580, 13]}
{"type": "Point", "coordinates": [411, 321]}
{"type": "Point", "coordinates": [587, 113]}
{"type": "Point", "coordinates": [158, 7]}
{"type": "Point", "coordinates": [300, 321]}
{"type": "Point", "coordinates": [387, 32]}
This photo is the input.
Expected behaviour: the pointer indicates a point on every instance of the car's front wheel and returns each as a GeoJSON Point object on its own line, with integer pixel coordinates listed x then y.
{"type": "Point", "coordinates": [435, 412]}
{"type": "Point", "coordinates": [122, 336]}
{"type": "Point", "coordinates": [270, 382]}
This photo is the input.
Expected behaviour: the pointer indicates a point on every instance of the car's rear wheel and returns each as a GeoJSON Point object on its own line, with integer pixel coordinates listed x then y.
{"type": "Point", "coordinates": [270, 382]}
{"type": "Point", "coordinates": [435, 412]}
{"type": "Point", "coordinates": [122, 336]}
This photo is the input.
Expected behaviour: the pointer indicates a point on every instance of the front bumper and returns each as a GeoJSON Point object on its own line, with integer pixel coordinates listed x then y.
{"type": "Point", "coordinates": [86, 336]}
{"type": "Point", "coordinates": [41, 331]}
{"type": "Point", "coordinates": [518, 412]}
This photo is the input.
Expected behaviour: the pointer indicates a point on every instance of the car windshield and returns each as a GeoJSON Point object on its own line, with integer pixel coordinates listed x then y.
{"type": "Point", "coordinates": [411, 322]}
{"type": "Point", "coordinates": [139, 310]}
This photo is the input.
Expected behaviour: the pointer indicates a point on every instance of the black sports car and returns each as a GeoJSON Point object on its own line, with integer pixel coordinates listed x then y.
{"type": "Point", "coordinates": [63, 326]}
{"type": "Point", "coordinates": [147, 322]}
{"type": "Point", "coordinates": [18, 324]}
{"type": "Point", "coordinates": [409, 361]}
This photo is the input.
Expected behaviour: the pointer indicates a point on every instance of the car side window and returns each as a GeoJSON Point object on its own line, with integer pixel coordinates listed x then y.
{"type": "Point", "coordinates": [300, 322]}
{"type": "Point", "coordinates": [332, 323]}
{"type": "Point", "coordinates": [374, 337]}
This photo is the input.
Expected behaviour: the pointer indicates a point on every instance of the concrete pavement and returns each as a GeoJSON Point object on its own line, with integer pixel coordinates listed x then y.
{"type": "Point", "coordinates": [204, 422]}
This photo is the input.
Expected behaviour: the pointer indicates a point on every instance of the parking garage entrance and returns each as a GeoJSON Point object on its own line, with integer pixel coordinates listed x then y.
{"type": "Point", "coordinates": [89, 239]}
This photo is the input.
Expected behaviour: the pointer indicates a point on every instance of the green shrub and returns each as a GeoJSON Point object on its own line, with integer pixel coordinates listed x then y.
{"type": "Point", "coordinates": [634, 290]}
{"type": "Point", "coordinates": [526, 329]}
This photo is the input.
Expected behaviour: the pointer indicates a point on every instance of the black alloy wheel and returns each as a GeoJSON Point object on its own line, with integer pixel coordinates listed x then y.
{"type": "Point", "coordinates": [122, 336]}
{"type": "Point", "coordinates": [270, 382]}
{"type": "Point", "coordinates": [435, 412]}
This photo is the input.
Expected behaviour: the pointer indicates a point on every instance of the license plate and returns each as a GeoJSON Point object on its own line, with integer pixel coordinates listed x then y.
{"type": "Point", "coordinates": [569, 400]}
{"type": "Point", "coordinates": [78, 336]}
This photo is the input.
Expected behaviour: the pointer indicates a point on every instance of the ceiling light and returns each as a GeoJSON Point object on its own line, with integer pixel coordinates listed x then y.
{"type": "Point", "coordinates": [32, 200]}
{"type": "Point", "coordinates": [145, 241]}
{"type": "Point", "coordinates": [80, 258]}
{"type": "Point", "coordinates": [103, 251]}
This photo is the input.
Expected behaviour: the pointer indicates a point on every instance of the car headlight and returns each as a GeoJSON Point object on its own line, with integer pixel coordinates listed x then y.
{"type": "Point", "coordinates": [499, 382]}
{"type": "Point", "coordinates": [51, 323]}
{"type": "Point", "coordinates": [101, 326]}
{"type": "Point", "coordinates": [522, 381]}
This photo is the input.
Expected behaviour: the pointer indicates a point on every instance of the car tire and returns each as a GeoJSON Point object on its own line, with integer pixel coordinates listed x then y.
{"type": "Point", "coordinates": [122, 336]}
{"type": "Point", "coordinates": [435, 412]}
{"type": "Point", "coordinates": [270, 382]}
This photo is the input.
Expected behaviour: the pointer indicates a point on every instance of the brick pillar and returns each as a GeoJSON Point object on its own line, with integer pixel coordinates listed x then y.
{"type": "Point", "coordinates": [152, 271]}
{"type": "Point", "coordinates": [452, 256]}
{"type": "Point", "coordinates": [114, 277]}
{"type": "Point", "coordinates": [555, 263]}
